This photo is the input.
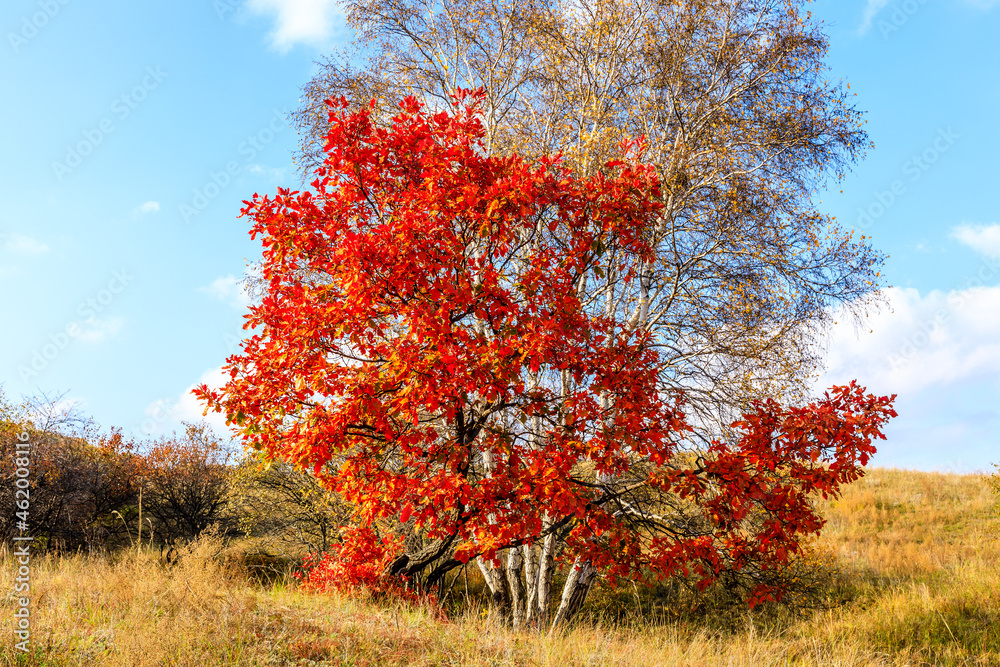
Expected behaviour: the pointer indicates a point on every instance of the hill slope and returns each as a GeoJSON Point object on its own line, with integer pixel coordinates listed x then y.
{"type": "Point", "coordinates": [918, 574]}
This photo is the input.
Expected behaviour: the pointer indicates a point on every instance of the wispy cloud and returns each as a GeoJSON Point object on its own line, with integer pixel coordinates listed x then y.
{"type": "Point", "coordinates": [982, 4]}
{"type": "Point", "coordinates": [146, 209]}
{"type": "Point", "coordinates": [166, 414]}
{"type": "Point", "coordinates": [228, 289]}
{"type": "Point", "coordinates": [306, 21]}
{"type": "Point", "coordinates": [97, 330]}
{"type": "Point", "coordinates": [871, 10]}
{"type": "Point", "coordinates": [275, 175]}
{"type": "Point", "coordinates": [983, 239]}
{"type": "Point", "coordinates": [873, 7]}
{"type": "Point", "coordinates": [23, 245]}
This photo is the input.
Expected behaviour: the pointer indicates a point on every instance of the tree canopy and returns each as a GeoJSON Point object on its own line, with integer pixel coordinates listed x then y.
{"type": "Point", "coordinates": [428, 343]}
{"type": "Point", "coordinates": [743, 126]}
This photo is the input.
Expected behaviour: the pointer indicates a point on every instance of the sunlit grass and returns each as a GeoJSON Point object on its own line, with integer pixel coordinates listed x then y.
{"type": "Point", "coordinates": [918, 561]}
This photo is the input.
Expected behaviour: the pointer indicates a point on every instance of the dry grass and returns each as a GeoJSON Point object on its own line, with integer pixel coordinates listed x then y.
{"type": "Point", "coordinates": [919, 560]}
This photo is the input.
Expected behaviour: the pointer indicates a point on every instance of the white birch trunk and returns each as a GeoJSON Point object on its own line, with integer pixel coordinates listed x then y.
{"type": "Point", "coordinates": [517, 593]}
{"type": "Point", "coordinates": [531, 556]}
{"type": "Point", "coordinates": [581, 578]}
{"type": "Point", "coordinates": [492, 575]}
{"type": "Point", "coordinates": [582, 575]}
{"type": "Point", "coordinates": [494, 580]}
{"type": "Point", "coordinates": [546, 567]}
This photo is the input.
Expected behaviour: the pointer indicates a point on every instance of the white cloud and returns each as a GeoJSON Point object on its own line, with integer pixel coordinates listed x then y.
{"type": "Point", "coordinates": [984, 239]}
{"type": "Point", "coordinates": [920, 342]}
{"type": "Point", "coordinates": [23, 245]}
{"type": "Point", "coordinates": [274, 174]}
{"type": "Point", "coordinates": [307, 21]}
{"type": "Point", "coordinates": [982, 4]}
{"type": "Point", "coordinates": [228, 289]}
{"type": "Point", "coordinates": [871, 9]}
{"type": "Point", "coordinates": [97, 330]}
{"type": "Point", "coordinates": [146, 209]}
{"type": "Point", "coordinates": [940, 353]}
{"type": "Point", "coordinates": [166, 414]}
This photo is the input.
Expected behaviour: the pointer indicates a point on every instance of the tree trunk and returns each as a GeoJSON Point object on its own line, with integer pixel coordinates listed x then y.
{"type": "Point", "coordinates": [581, 578]}
{"type": "Point", "coordinates": [545, 570]}
{"type": "Point", "coordinates": [495, 582]}
{"type": "Point", "coordinates": [531, 581]}
{"type": "Point", "coordinates": [517, 593]}
{"type": "Point", "coordinates": [494, 578]}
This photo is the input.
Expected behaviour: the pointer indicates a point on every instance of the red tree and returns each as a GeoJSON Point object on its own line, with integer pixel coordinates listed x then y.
{"type": "Point", "coordinates": [426, 344]}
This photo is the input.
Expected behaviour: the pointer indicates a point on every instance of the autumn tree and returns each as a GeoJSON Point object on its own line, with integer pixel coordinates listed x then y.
{"type": "Point", "coordinates": [186, 484]}
{"type": "Point", "coordinates": [285, 506]}
{"type": "Point", "coordinates": [743, 127]}
{"type": "Point", "coordinates": [81, 483]}
{"type": "Point", "coordinates": [109, 470]}
{"type": "Point", "coordinates": [427, 344]}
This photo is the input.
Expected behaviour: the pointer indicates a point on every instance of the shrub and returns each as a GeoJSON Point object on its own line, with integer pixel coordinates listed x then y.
{"type": "Point", "coordinates": [357, 563]}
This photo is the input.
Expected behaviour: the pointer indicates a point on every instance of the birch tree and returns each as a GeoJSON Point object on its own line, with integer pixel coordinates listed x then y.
{"type": "Point", "coordinates": [742, 127]}
{"type": "Point", "coordinates": [430, 344]}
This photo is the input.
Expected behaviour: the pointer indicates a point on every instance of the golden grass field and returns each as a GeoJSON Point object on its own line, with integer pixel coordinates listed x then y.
{"type": "Point", "coordinates": [917, 558]}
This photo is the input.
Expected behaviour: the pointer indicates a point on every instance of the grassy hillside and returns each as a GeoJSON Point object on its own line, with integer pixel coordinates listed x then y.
{"type": "Point", "coordinates": [915, 579]}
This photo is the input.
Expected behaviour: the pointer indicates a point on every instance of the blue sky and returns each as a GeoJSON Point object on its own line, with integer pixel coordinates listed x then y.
{"type": "Point", "coordinates": [134, 130]}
